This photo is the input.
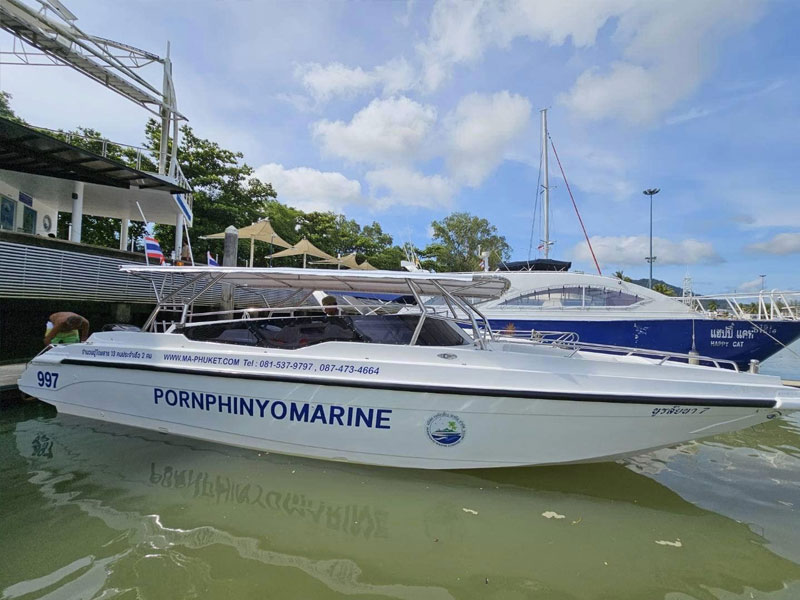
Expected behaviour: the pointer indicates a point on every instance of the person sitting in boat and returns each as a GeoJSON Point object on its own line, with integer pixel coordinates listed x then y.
{"type": "Point", "coordinates": [331, 307]}
{"type": "Point", "coordinates": [66, 328]}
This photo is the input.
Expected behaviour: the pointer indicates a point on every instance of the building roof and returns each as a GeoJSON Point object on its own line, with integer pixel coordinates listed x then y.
{"type": "Point", "coordinates": [26, 150]}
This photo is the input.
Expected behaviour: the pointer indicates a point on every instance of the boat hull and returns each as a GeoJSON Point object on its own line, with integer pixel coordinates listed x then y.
{"type": "Point", "coordinates": [378, 422]}
{"type": "Point", "coordinates": [738, 341]}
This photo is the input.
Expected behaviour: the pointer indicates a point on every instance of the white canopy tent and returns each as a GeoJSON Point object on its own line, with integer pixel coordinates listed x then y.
{"type": "Point", "coordinates": [305, 248]}
{"type": "Point", "coordinates": [348, 261]}
{"type": "Point", "coordinates": [260, 230]}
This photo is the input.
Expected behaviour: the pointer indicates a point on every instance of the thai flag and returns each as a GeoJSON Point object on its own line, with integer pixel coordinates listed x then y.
{"type": "Point", "coordinates": [153, 249]}
{"type": "Point", "coordinates": [211, 262]}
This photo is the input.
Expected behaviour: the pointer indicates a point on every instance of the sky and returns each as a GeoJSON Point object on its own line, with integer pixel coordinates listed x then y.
{"type": "Point", "coordinates": [403, 112]}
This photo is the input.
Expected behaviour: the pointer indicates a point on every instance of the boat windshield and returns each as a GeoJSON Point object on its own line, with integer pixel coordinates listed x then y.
{"type": "Point", "coordinates": [298, 332]}
{"type": "Point", "coordinates": [582, 296]}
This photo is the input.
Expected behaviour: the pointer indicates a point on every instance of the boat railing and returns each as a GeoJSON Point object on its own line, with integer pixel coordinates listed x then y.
{"type": "Point", "coordinates": [188, 319]}
{"type": "Point", "coordinates": [537, 335]}
{"type": "Point", "coordinates": [765, 305]}
{"type": "Point", "coordinates": [239, 314]}
{"type": "Point", "coordinates": [569, 340]}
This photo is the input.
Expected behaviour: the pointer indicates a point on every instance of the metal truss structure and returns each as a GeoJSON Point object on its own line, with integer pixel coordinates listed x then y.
{"type": "Point", "coordinates": [48, 35]}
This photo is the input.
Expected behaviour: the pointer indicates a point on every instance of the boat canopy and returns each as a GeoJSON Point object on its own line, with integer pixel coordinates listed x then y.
{"type": "Point", "coordinates": [385, 282]}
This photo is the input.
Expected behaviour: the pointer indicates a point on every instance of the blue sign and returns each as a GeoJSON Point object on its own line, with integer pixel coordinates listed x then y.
{"type": "Point", "coordinates": [182, 204]}
{"type": "Point", "coordinates": [25, 199]}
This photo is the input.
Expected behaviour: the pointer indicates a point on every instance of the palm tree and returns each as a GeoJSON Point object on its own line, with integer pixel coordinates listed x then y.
{"type": "Point", "coordinates": [622, 276]}
{"type": "Point", "coordinates": [663, 288]}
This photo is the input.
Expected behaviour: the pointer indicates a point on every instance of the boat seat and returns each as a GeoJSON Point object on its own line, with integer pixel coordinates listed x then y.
{"type": "Point", "coordinates": [242, 337]}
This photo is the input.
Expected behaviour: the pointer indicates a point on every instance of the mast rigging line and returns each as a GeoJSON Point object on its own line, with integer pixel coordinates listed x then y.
{"type": "Point", "coordinates": [535, 206]}
{"type": "Point", "coordinates": [577, 212]}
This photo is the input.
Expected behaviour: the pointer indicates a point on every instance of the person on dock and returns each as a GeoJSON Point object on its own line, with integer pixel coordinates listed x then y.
{"type": "Point", "coordinates": [66, 328]}
{"type": "Point", "coordinates": [186, 254]}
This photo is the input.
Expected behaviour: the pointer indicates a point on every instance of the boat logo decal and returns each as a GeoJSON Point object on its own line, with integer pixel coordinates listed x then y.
{"type": "Point", "coordinates": [446, 429]}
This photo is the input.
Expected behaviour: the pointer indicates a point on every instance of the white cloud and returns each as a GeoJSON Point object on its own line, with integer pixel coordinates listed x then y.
{"type": "Point", "coordinates": [460, 32]}
{"type": "Point", "coordinates": [322, 82]}
{"type": "Point", "coordinates": [753, 285]}
{"type": "Point", "coordinates": [668, 48]}
{"type": "Point", "coordinates": [480, 131]}
{"type": "Point", "coordinates": [456, 36]}
{"type": "Point", "coordinates": [596, 170]}
{"type": "Point", "coordinates": [733, 97]}
{"type": "Point", "coordinates": [665, 50]}
{"type": "Point", "coordinates": [396, 76]}
{"type": "Point", "coordinates": [632, 250]}
{"type": "Point", "coordinates": [336, 79]}
{"type": "Point", "coordinates": [403, 186]}
{"type": "Point", "coordinates": [310, 189]}
{"type": "Point", "coordinates": [781, 244]}
{"type": "Point", "coordinates": [386, 131]}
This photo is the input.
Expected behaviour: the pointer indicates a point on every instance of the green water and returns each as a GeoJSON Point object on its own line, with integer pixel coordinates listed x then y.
{"type": "Point", "coordinates": [93, 510]}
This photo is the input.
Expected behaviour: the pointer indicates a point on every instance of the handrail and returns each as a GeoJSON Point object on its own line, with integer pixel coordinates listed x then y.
{"type": "Point", "coordinates": [772, 305]}
{"type": "Point", "coordinates": [570, 340]}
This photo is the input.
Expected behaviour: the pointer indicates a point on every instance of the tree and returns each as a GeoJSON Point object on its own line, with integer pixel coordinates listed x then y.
{"type": "Point", "coordinates": [457, 240]}
{"type": "Point", "coordinates": [5, 108]}
{"type": "Point", "coordinates": [389, 258]}
{"type": "Point", "coordinates": [225, 191]}
{"type": "Point", "coordinates": [663, 289]}
{"type": "Point", "coordinates": [620, 275]}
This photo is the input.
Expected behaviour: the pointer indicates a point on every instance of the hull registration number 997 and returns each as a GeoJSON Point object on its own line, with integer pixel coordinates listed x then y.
{"type": "Point", "coordinates": [46, 379]}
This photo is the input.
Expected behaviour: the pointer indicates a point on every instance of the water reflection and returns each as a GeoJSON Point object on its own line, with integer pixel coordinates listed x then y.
{"type": "Point", "coordinates": [108, 509]}
{"type": "Point", "coordinates": [752, 476]}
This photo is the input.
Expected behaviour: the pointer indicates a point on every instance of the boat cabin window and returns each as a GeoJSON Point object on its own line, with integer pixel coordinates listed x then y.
{"type": "Point", "coordinates": [298, 332]}
{"type": "Point", "coordinates": [577, 296]}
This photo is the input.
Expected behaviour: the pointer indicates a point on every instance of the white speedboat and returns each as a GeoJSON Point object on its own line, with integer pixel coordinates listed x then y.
{"type": "Point", "coordinates": [402, 390]}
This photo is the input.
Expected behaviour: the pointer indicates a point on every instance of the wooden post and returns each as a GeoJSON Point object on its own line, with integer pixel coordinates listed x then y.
{"type": "Point", "coordinates": [229, 259]}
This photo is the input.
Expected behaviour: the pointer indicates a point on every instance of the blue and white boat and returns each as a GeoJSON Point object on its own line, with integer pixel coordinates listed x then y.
{"type": "Point", "coordinates": [610, 311]}
{"type": "Point", "coordinates": [545, 297]}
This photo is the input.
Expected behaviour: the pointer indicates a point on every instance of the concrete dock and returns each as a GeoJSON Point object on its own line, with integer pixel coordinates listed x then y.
{"type": "Point", "coordinates": [8, 382]}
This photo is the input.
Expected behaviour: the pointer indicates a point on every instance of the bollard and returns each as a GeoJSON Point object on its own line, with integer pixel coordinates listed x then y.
{"type": "Point", "coordinates": [754, 365]}
{"type": "Point", "coordinates": [229, 259]}
{"type": "Point", "coordinates": [694, 357]}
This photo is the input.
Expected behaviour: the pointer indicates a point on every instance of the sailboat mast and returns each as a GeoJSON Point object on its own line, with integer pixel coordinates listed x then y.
{"type": "Point", "coordinates": [546, 185]}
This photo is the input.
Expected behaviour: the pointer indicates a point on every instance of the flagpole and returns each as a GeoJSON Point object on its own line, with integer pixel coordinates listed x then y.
{"type": "Point", "coordinates": [188, 241]}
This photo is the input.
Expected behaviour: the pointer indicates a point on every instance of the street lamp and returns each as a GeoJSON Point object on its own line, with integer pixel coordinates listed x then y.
{"type": "Point", "coordinates": [651, 192]}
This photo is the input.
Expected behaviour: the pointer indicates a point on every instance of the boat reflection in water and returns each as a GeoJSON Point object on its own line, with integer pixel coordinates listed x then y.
{"type": "Point", "coordinates": [171, 517]}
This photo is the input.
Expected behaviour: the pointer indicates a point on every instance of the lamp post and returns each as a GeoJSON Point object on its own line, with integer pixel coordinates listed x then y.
{"type": "Point", "coordinates": [651, 192]}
